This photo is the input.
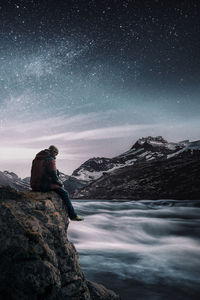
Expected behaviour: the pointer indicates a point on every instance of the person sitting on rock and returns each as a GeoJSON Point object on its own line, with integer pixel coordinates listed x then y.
{"type": "Point", "coordinates": [45, 177]}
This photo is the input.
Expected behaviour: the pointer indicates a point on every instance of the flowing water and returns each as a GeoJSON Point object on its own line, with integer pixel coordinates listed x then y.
{"type": "Point", "coordinates": [140, 249]}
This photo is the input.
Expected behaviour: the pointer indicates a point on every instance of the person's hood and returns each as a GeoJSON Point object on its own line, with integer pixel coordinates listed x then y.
{"type": "Point", "coordinates": [43, 154]}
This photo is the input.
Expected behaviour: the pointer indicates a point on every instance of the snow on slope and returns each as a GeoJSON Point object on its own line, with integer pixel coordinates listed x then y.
{"type": "Point", "coordinates": [146, 148]}
{"type": "Point", "coordinates": [11, 179]}
{"type": "Point", "coordinates": [188, 146]}
{"type": "Point", "coordinates": [88, 175]}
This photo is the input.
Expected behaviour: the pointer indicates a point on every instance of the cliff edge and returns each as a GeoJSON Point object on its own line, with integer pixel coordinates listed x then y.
{"type": "Point", "coordinates": [36, 259]}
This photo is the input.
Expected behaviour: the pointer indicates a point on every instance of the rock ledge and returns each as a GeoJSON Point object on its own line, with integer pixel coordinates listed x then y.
{"type": "Point", "coordinates": [36, 259]}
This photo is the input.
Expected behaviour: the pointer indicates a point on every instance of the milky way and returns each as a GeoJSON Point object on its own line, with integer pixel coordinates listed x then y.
{"type": "Point", "coordinates": [91, 77]}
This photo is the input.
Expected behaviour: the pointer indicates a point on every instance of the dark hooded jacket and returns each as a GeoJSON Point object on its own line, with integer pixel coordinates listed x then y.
{"type": "Point", "coordinates": [44, 174]}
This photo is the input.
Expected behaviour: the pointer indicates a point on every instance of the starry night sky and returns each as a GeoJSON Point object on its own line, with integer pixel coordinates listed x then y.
{"type": "Point", "coordinates": [93, 76]}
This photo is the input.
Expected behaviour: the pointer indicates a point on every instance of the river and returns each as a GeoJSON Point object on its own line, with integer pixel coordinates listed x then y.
{"type": "Point", "coordinates": [140, 249]}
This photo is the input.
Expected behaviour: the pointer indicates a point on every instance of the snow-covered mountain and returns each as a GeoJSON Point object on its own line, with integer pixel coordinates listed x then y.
{"type": "Point", "coordinates": [151, 169]}
{"type": "Point", "coordinates": [93, 168]}
{"type": "Point", "coordinates": [71, 184]}
{"type": "Point", "coordinates": [11, 179]}
{"type": "Point", "coordinates": [145, 149]}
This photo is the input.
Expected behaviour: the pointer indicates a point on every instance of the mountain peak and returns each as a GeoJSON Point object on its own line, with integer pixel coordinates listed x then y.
{"type": "Point", "coordinates": [147, 139]}
{"type": "Point", "coordinates": [10, 174]}
{"type": "Point", "coordinates": [150, 139]}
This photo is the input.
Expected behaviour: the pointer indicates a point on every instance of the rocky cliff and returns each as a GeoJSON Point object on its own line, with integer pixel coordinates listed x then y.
{"type": "Point", "coordinates": [37, 261]}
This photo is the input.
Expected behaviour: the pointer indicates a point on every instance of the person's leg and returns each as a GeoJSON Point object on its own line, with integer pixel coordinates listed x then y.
{"type": "Point", "coordinates": [65, 196]}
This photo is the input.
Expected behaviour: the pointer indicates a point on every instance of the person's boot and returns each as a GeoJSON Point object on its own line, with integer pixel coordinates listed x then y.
{"type": "Point", "coordinates": [77, 218]}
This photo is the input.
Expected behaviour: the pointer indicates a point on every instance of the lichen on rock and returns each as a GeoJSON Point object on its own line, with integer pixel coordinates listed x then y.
{"type": "Point", "coordinates": [37, 261]}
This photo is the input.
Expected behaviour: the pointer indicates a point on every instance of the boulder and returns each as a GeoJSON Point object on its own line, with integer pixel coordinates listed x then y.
{"type": "Point", "coordinates": [37, 261]}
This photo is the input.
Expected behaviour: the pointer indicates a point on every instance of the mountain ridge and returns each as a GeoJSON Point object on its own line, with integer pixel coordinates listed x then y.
{"type": "Point", "coordinates": [172, 167]}
{"type": "Point", "coordinates": [174, 178]}
{"type": "Point", "coordinates": [144, 150]}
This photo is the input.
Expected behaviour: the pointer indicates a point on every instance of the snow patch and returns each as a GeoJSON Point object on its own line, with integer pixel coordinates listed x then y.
{"type": "Point", "coordinates": [88, 175]}
{"type": "Point", "coordinates": [194, 145]}
{"type": "Point", "coordinates": [144, 154]}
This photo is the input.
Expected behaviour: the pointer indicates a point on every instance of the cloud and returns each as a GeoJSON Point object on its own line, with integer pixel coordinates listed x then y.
{"type": "Point", "coordinates": [32, 131]}
{"type": "Point", "coordinates": [79, 138]}
{"type": "Point", "coordinates": [41, 131]}
{"type": "Point", "coordinates": [13, 153]}
{"type": "Point", "coordinates": [96, 134]}
{"type": "Point", "coordinates": [73, 135]}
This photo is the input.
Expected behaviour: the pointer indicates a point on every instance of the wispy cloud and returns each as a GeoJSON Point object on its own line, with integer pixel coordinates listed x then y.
{"type": "Point", "coordinates": [95, 134]}
{"type": "Point", "coordinates": [79, 138]}
{"type": "Point", "coordinates": [71, 129]}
